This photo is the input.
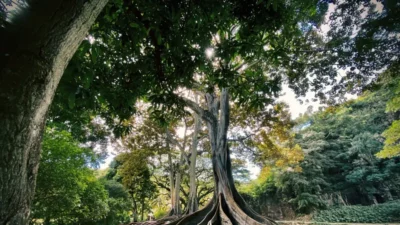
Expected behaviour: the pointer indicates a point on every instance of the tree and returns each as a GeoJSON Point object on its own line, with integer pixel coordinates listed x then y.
{"type": "Point", "coordinates": [65, 180]}
{"type": "Point", "coordinates": [119, 203]}
{"type": "Point", "coordinates": [135, 176]}
{"type": "Point", "coordinates": [339, 167]}
{"type": "Point", "coordinates": [340, 143]}
{"type": "Point", "coordinates": [181, 152]}
{"type": "Point", "coordinates": [391, 147]}
{"type": "Point", "coordinates": [165, 52]}
{"type": "Point", "coordinates": [361, 43]}
{"type": "Point", "coordinates": [157, 143]}
{"type": "Point", "coordinates": [30, 71]}
{"type": "Point", "coordinates": [190, 159]}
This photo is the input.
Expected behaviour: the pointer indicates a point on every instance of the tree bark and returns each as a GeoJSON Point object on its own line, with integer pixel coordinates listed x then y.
{"type": "Point", "coordinates": [135, 210]}
{"type": "Point", "coordinates": [227, 206]}
{"type": "Point", "coordinates": [178, 178]}
{"type": "Point", "coordinates": [171, 176]}
{"type": "Point", "coordinates": [36, 48]}
{"type": "Point", "coordinates": [176, 207]}
{"type": "Point", "coordinates": [142, 209]}
{"type": "Point", "coordinates": [192, 200]}
{"type": "Point", "coordinates": [171, 184]}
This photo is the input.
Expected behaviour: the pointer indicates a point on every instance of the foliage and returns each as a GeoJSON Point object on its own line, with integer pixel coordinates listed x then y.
{"type": "Point", "coordinates": [136, 178]}
{"type": "Point", "coordinates": [362, 41]}
{"type": "Point", "coordinates": [278, 150]}
{"type": "Point", "coordinates": [392, 146]}
{"type": "Point", "coordinates": [94, 204]}
{"type": "Point", "coordinates": [382, 213]}
{"type": "Point", "coordinates": [151, 50]}
{"type": "Point", "coordinates": [339, 166]}
{"type": "Point", "coordinates": [64, 180]}
{"type": "Point", "coordinates": [239, 171]}
{"type": "Point", "coordinates": [160, 213]}
{"type": "Point", "coordinates": [118, 203]}
{"type": "Point", "coordinates": [341, 143]}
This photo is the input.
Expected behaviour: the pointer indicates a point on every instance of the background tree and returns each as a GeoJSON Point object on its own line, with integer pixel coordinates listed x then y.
{"type": "Point", "coordinates": [118, 202]}
{"type": "Point", "coordinates": [339, 166]}
{"type": "Point", "coordinates": [66, 181]}
{"type": "Point", "coordinates": [135, 176]}
{"type": "Point", "coordinates": [391, 147]}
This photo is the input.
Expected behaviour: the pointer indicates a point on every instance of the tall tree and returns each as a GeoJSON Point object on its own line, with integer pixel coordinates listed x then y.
{"type": "Point", "coordinates": [135, 175]}
{"type": "Point", "coordinates": [340, 144]}
{"type": "Point", "coordinates": [37, 46]}
{"type": "Point", "coordinates": [249, 41]}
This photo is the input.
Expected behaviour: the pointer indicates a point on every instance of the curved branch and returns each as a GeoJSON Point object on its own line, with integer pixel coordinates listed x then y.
{"type": "Point", "coordinates": [174, 141]}
{"type": "Point", "coordinates": [204, 114]}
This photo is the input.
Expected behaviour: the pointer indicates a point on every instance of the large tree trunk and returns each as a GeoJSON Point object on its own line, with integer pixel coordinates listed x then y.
{"type": "Point", "coordinates": [192, 205]}
{"type": "Point", "coordinates": [227, 206]}
{"type": "Point", "coordinates": [34, 52]}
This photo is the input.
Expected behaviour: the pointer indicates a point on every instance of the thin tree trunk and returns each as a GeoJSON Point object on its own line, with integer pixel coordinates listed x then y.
{"type": "Point", "coordinates": [142, 210]}
{"type": "Point", "coordinates": [135, 210]}
{"type": "Point", "coordinates": [176, 210]}
{"type": "Point", "coordinates": [34, 53]}
{"type": "Point", "coordinates": [178, 179]}
{"type": "Point", "coordinates": [172, 182]}
{"type": "Point", "coordinates": [171, 177]}
{"type": "Point", "coordinates": [374, 200]}
{"type": "Point", "coordinates": [192, 201]}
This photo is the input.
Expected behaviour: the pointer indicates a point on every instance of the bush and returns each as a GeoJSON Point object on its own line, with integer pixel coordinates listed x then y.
{"type": "Point", "coordinates": [382, 213]}
{"type": "Point", "coordinates": [160, 213]}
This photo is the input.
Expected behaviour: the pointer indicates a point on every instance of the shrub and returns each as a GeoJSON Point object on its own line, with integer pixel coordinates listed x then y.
{"type": "Point", "coordinates": [382, 213]}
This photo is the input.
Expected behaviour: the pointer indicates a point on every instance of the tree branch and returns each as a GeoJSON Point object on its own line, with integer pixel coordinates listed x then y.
{"type": "Point", "coordinates": [204, 114]}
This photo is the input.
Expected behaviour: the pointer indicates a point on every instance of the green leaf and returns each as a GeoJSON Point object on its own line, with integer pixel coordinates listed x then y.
{"type": "Point", "coordinates": [94, 55]}
{"type": "Point", "coordinates": [134, 25]}
{"type": "Point", "coordinates": [71, 101]}
{"type": "Point", "coordinates": [87, 79]}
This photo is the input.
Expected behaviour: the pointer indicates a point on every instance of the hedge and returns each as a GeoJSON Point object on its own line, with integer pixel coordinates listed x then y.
{"type": "Point", "coordinates": [381, 213]}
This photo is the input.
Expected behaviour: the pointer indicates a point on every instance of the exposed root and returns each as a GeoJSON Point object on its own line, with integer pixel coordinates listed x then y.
{"type": "Point", "coordinates": [222, 210]}
{"type": "Point", "coordinates": [228, 207]}
{"type": "Point", "coordinates": [165, 220]}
